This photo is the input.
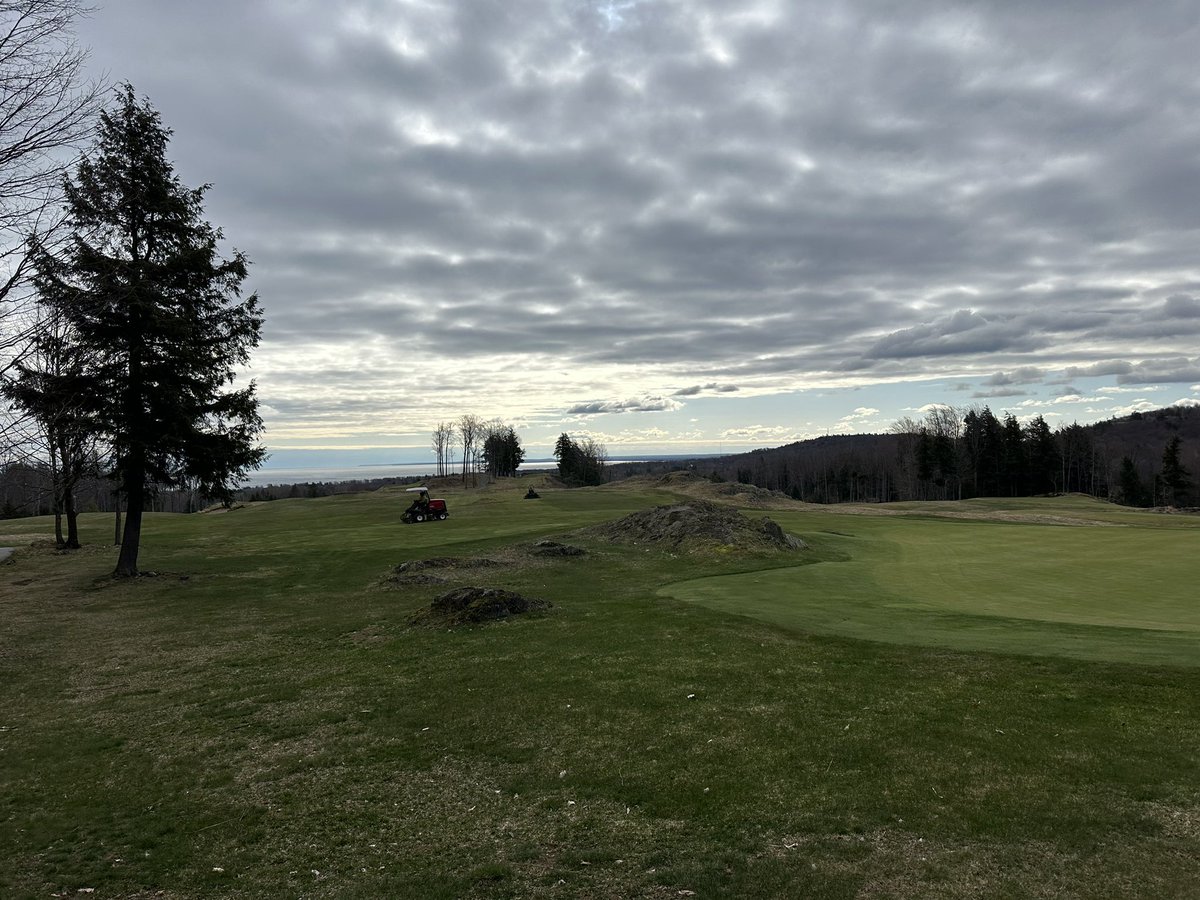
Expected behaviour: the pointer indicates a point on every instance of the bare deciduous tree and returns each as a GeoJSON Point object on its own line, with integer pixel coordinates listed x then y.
{"type": "Point", "coordinates": [47, 110]}
{"type": "Point", "coordinates": [470, 430]}
{"type": "Point", "coordinates": [595, 457]}
{"type": "Point", "coordinates": [48, 390]}
{"type": "Point", "coordinates": [443, 440]}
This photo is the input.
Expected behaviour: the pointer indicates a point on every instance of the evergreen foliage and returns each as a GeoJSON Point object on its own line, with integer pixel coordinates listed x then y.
{"type": "Point", "coordinates": [580, 463]}
{"type": "Point", "coordinates": [567, 454]}
{"type": "Point", "coordinates": [1131, 491]}
{"type": "Point", "coordinates": [959, 454]}
{"type": "Point", "coordinates": [1041, 457]}
{"type": "Point", "coordinates": [1174, 479]}
{"type": "Point", "coordinates": [158, 316]}
{"type": "Point", "coordinates": [502, 451]}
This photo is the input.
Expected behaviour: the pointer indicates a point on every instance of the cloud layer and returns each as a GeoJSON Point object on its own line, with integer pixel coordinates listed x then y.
{"type": "Point", "coordinates": [542, 209]}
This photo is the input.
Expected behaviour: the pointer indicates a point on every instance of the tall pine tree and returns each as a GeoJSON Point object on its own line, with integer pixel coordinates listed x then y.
{"type": "Point", "coordinates": [1175, 481]}
{"type": "Point", "coordinates": [1132, 493]}
{"type": "Point", "coordinates": [159, 317]}
{"type": "Point", "coordinates": [1041, 456]}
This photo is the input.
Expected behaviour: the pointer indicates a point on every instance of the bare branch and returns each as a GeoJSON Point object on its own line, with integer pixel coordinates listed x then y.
{"type": "Point", "coordinates": [47, 112]}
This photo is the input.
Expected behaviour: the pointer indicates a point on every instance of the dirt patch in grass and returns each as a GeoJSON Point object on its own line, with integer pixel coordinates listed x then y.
{"type": "Point", "coordinates": [555, 549]}
{"type": "Point", "coordinates": [420, 579]}
{"type": "Point", "coordinates": [474, 605]}
{"type": "Point", "coordinates": [447, 570]}
{"type": "Point", "coordinates": [436, 570]}
{"type": "Point", "coordinates": [444, 562]}
{"type": "Point", "coordinates": [897, 863]}
{"type": "Point", "coordinates": [1177, 821]}
{"type": "Point", "coordinates": [697, 525]}
{"type": "Point", "coordinates": [372, 634]}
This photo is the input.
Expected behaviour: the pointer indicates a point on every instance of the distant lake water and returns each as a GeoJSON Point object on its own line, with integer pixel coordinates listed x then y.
{"type": "Point", "coordinates": [366, 473]}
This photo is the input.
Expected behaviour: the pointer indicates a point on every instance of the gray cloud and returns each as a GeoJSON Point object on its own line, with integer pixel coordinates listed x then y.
{"type": "Point", "coordinates": [1179, 306]}
{"type": "Point", "coordinates": [712, 387]}
{"type": "Point", "coordinates": [641, 404]}
{"type": "Point", "coordinates": [769, 194]}
{"type": "Point", "coordinates": [1023, 375]}
{"type": "Point", "coordinates": [996, 393]}
{"type": "Point", "coordinates": [1176, 369]}
{"type": "Point", "coordinates": [1105, 367]}
{"type": "Point", "coordinates": [963, 332]}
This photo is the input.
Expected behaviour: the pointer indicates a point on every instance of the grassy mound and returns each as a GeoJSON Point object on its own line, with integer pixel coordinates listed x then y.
{"type": "Point", "coordinates": [691, 484]}
{"type": "Point", "coordinates": [473, 605]}
{"type": "Point", "coordinates": [697, 525]}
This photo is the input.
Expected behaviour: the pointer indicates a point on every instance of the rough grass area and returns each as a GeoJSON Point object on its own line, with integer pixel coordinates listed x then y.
{"type": "Point", "coordinates": [259, 720]}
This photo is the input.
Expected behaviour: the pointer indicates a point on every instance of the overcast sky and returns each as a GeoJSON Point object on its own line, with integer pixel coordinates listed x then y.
{"type": "Point", "coordinates": [689, 225]}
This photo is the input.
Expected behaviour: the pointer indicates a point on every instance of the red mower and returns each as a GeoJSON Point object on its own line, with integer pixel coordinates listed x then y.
{"type": "Point", "coordinates": [423, 509]}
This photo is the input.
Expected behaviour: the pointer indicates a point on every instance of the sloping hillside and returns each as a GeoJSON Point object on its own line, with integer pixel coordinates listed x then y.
{"type": "Point", "coordinates": [860, 468]}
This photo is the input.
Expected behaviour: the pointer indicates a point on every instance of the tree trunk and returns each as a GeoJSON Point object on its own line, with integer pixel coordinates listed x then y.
{"type": "Point", "coordinates": [135, 499]}
{"type": "Point", "coordinates": [68, 477]}
{"type": "Point", "coordinates": [72, 520]}
{"type": "Point", "coordinates": [117, 526]}
{"type": "Point", "coordinates": [130, 540]}
{"type": "Point", "coordinates": [56, 483]}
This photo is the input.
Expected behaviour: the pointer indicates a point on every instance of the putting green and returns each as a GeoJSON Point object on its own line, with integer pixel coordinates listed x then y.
{"type": "Point", "coordinates": [1124, 593]}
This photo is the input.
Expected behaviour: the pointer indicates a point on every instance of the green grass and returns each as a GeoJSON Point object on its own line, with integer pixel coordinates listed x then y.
{"type": "Point", "coordinates": [270, 726]}
{"type": "Point", "coordinates": [1125, 593]}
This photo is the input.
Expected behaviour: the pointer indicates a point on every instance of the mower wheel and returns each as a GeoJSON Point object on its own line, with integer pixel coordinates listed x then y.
{"type": "Point", "coordinates": [418, 518]}
{"type": "Point", "coordinates": [442, 515]}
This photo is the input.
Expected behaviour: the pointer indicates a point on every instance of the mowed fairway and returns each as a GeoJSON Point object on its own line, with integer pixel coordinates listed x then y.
{"type": "Point", "coordinates": [1113, 584]}
{"type": "Point", "coordinates": [260, 719]}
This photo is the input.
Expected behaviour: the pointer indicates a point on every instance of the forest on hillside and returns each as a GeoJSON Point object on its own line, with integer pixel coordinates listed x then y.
{"type": "Point", "coordinates": [957, 454]}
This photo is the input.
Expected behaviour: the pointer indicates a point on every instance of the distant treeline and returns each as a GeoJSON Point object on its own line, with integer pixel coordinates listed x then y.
{"type": "Point", "coordinates": [1145, 459]}
{"type": "Point", "coordinates": [27, 489]}
{"type": "Point", "coordinates": [1141, 460]}
{"type": "Point", "coordinates": [311, 489]}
